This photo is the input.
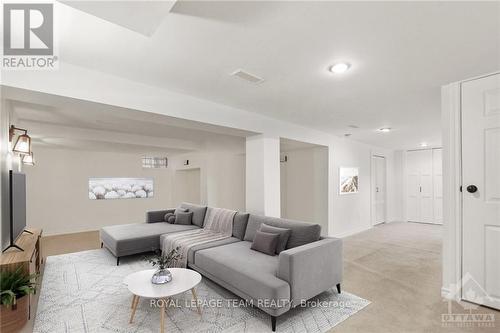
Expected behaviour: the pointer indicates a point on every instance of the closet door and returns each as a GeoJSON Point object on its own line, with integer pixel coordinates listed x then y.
{"type": "Point", "coordinates": [379, 195]}
{"type": "Point", "coordinates": [413, 186]}
{"type": "Point", "coordinates": [420, 197]}
{"type": "Point", "coordinates": [426, 187]}
{"type": "Point", "coordinates": [437, 170]}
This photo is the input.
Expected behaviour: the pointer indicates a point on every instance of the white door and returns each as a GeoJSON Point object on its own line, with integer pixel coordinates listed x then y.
{"type": "Point", "coordinates": [481, 190]}
{"type": "Point", "coordinates": [379, 172]}
{"type": "Point", "coordinates": [437, 171]}
{"type": "Point", "coordinates": [419, 203]}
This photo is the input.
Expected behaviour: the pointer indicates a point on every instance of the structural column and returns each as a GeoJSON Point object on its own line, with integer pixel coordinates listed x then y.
{"type": "Point", "coordinates": [263, 175]}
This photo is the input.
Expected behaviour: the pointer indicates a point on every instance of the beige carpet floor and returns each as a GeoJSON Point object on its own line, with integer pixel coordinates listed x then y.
{"type": "Point", "coordinates": [397, 266]}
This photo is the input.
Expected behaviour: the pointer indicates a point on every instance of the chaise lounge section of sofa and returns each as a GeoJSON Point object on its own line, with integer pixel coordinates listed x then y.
{"type": "Point", "coordinates": [309, 264]}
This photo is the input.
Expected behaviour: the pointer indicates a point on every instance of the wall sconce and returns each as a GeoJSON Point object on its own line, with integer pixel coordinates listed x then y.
{"type": "Point", "coordinates": [23, 142]}
{"type": "Point", "coordinates": [186, 162]}
{"type": "Point", "coordinates": [28, 159]}
{"type": "Point", "coordinates": [284, 159]}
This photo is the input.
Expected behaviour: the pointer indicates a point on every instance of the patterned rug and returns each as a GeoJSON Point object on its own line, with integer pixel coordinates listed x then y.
{"type": "Point", "coordinates": [84, 292]}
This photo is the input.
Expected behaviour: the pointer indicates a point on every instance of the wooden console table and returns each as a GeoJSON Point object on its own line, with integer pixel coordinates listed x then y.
{"type": "Point", "coordinates": [30, 260]}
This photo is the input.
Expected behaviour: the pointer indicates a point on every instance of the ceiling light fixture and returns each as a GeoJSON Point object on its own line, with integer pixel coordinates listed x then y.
{"type": "Point", "coordinates": [423, 144]}
{"type": "Point", "coordinates": [385, 129]}
{"type": "Point", "coordinates": [23, 142]}
{"type": "Point", "coordinates": [28, 159]}
{"type": "Point", "coordinates": [339, 67]}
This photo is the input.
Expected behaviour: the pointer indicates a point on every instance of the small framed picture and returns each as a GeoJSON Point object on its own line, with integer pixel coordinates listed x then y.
{"type": "Point", "coordinates": [348, 180]}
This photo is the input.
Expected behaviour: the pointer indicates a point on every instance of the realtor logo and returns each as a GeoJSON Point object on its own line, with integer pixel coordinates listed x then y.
{"type": "Point", "coordinates": [28, 36]}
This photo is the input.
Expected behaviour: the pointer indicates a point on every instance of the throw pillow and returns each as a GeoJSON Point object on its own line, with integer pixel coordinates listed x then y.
{"type": "Point", "coordinates": [167, 217]}
{"type": "Point", "coordinates": [240, 225]}
{"type": "Point", "coordinates": [265, 242]}
{"type": "Point", "coordinates": [283, 233]}
{"type": "Point", "coordinates": [183, 218]}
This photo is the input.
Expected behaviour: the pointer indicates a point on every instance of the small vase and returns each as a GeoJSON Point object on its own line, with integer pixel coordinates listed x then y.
{"type": "Point", "coordinates": [161, 276]}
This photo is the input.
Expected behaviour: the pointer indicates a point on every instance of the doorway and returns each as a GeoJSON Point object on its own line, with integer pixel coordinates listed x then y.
{"type": "Point", "coordinates": [379, 189]}
{"type": "Point", "coordinates": [187, 186]}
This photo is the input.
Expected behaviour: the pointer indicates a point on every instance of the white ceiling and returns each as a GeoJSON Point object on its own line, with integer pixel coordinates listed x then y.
{"type": "Point", "coordinates": [60, 122]}
{"type": "Point", "coordinates": [401, 53]}
{"type": "Point", "coordinates": [143, 17]}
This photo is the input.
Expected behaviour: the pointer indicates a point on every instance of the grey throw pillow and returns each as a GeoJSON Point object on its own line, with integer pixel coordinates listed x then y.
{"type": "Point", "coordinates": [183, 218]}
{"type": "Point", "coordinates": [240, 225]}
{"type": "Point", "coordinates": [283, 233]}
{"type": "Point", "coordinates": [168, 216]}
{"type": "Point", "coordinates": [199, 213]}
{"type": "Point", "coordinates": [265, 242]}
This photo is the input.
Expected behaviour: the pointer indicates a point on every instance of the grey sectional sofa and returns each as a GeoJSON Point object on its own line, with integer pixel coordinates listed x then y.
{"type": "Point", "coordinates": [309, 265]}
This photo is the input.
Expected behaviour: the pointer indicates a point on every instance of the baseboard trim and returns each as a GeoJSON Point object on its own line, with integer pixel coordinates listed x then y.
{"type": "Point", "coordinates": [69, 233]}
{"type": "Point", "coordinates": [351, 232]}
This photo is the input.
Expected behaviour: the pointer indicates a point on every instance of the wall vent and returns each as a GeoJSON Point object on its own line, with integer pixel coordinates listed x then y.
{"type": "Point", "coordinates": [247, 76]}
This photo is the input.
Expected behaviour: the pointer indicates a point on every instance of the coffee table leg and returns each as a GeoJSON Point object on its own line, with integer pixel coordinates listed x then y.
{"type": "Point", "coordinates": [135, 301]}
{"type": "Point", "coordinates": [193, 291]}
{"type": "Point", "coordinates": [162, 315]}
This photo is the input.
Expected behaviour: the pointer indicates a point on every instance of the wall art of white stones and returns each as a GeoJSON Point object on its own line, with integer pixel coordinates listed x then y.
{"type": "Point", "coordinates": [120, 188]}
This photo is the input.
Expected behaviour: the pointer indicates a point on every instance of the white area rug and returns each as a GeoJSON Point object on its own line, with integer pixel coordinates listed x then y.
{"type": "Point", "coordinates": [84, 292]}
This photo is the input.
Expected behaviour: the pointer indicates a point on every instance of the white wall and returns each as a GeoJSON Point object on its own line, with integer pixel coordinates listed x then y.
{"type": "Point", "coordinates": [186, 186]}
{"type": "Point", "coordinates": [57, 187]}
{"type": "Point", "coordinates": [57, 190]}
{"type": "Point", "coordinates": [222, 176]}
{"type": "Point", "coordinates": [304, 186]}
{"type": "Point", "coordinates": [352, 212]}
{"type": "Point", "coordinates": [263, 175]}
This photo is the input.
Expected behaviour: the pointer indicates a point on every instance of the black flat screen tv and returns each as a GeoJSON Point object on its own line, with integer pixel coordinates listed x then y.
{"type": "Point", "coordinates": [17, 191]}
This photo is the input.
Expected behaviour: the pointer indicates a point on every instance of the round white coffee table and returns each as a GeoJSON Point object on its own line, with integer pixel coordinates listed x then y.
{"type": "Point", "coordinates": [139, 284]}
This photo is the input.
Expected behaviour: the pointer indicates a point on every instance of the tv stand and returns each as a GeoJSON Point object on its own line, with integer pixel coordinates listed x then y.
{"type": "Point", "coordinates": [29, 260]}
{"type": "Point", "coordinates": [13, 244]}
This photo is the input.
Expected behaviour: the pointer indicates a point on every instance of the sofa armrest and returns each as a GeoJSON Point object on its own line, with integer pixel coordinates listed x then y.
{"type": "Point", "coordinates": [312, 268]}
{"type": "Point", "coordinates": [157, 215]}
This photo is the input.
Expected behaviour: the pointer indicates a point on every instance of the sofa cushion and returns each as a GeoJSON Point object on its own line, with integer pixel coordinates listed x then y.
{"type": "Point", "coordinates": [240, 225]}
{"type": "Point", "coordinates": [301, 232]}
{"type": "Point", "coordinates": [126, 239]}
{"type": "Point", "coordinates": [198, 213]}
{"type": "Point", "coordinates": [167, 217]}
{"type": "Point", "coordinates": [251, 272]}
{"type": "Point", "coordinates": [265, 242]}
{"type": "Point", "coordinates": [284, 235]}
{"type": "Point", "coordinates": [184, 218]}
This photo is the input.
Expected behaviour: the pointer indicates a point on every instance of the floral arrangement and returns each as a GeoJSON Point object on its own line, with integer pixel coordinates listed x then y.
{"type": "Point", "coordinates": [164, 261]}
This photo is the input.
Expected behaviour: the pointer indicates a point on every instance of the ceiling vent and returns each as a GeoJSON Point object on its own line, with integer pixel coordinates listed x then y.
{"type": "Point", "coordinates": [247, 76]}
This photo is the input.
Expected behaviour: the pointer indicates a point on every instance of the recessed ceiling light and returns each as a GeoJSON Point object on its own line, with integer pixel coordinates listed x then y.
{"type": "Point", "coordinates": [423, 144]}
{"type": "Point", "coordinates": [339, 67]}
{"type": "Point", "coordinates": [384, 129]}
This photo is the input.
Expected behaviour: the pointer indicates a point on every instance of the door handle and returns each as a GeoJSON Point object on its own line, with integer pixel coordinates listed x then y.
{"type": "Point", "coordinates": [420, 189]}
{"type": "Point", "coordinates": [472, 188]}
